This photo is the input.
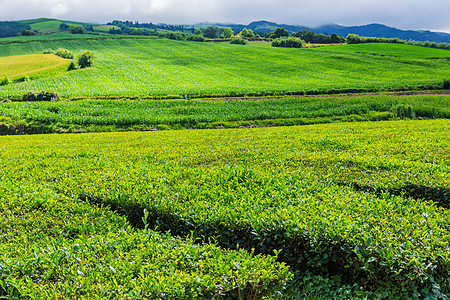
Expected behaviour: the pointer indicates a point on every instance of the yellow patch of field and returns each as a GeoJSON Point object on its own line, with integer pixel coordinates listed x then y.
{"type": "Point", "coordinates": [20, 65]}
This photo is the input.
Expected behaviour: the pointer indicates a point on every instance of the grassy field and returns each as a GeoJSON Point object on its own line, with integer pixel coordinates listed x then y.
{"type": "Point", "coordinates": [335, 197]}
{"type": "Point", "coordinates": [118, 115]}
{"type": "Point", "coordinates": [156, 67]}
{"type": "Point", "coordinates": [31, 65]}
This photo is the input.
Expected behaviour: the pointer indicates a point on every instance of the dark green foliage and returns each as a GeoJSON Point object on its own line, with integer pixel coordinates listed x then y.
{"type": "Point", "coordinates": [334, 38]}
{"type": "Point", "coordinates": [63, 26]}
{"type": "Point", "coordinates": [278, 33]}
{"type": "Point", "coordinates": [41, 96]}
{"type": "Point", "coordinates": [77, 29]}
{"type": "Point", "coordinates": [310, 36]}
{"type": "Point", "coordinates": [22, 79]}
{"type": "Point", "coordinates": [64, 53]}
{"type": "Point", "coordinates": [27, 32]}
{"type": "Point", "coordinates": [136, 32]}
{"type": "Point", "coordinates": [72, 66]}
{"type": "Point", "coordinates": [403, 111]}
{"type": "Point", "coordinates": [195, 38]}
{"type": "Point", "coordinates": [5, 81]}
{"type": "Point", "coordinates": [355, 39]}
{"type": "Point", "coordinates": [290, 42]}
{"type": "Point", "coordinates": [86, 59]}
{"type": "Point", "coordinates": [212, 32]}
{"type": "Point", "coordinates": [178, 36]}
{"type": "Point", "coordinates": [9, 29]}
{"type": "Point", "coordinates": [238, 41]}
{"type": "Point", "coordinates": [446, 84]}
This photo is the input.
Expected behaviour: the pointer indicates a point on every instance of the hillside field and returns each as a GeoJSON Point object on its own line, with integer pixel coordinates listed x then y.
{"type": "Point", "coordinates": [31, 65]}
{"type": "Point", "coordinates": [271, 187]}
{"type": "Point", "coordinates": [160, 67]}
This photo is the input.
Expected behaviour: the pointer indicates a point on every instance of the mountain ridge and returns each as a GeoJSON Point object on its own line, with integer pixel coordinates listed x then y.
{"type": "Point", "coordinates": [368, 30]}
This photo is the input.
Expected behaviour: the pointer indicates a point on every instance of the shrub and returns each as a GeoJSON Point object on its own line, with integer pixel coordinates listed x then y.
{"type": "Point", "coordinates": [238, 41]}
{"type": "Point", "coordinates": [48, 51]}
{"type": "Point", "coordinates": [290, 42]}
{"type": "Point", "coordinates": [72, 66]}
{"type": "Point", "coordinates": [403, 111]}
{"type": "Point", "coordinates": [22, 79]}
{"type": "Point", "coordinates": [64, 53]}
{"type": "Point", "coordinates": [86, 59]}
{"type": "Point", "coordinates": [196, 38]}
{"type": "Point", "coordinates": [41, 96]}
{"type": "Point", "coordinates": [77, 30]}
{"type": "Point", "coordinates": [246, 33]}
{"type": "Point", "coordinates": [5, 81]}
{"type": "Point", "coordinates": [446, 84]}
{"type": "Point", "coordinates": [27, 32]}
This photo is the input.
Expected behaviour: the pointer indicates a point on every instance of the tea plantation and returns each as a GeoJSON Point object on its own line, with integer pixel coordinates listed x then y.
{"type": "Point", "coordinates": [280, 193]}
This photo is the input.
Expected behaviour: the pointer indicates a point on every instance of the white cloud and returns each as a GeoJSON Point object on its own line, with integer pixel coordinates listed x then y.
{"type": "Point", "coordinates": [404, 14]}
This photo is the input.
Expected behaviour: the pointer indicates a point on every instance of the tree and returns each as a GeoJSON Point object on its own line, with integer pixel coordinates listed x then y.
{"type": "Point", "coordinates": [353, 39]}
{"type": "Point", "coordinates": [280, 32]}
{"type": "Point", "coordinates": [212, 32]}
{"type": "Point", "coordinates": [228, 32]}
{"type": "Point", "coordinates": [246, 33]}
{"type": "Point", "coordinates": [27, 32]}
{"type": "Point", "coordinates": [86, 59]}
{"type": "Point", "coordinates": [63, 26]}
{"type": "Point", "coordinates": [335, 38]}
{"type": "Point", "coordinates": [198, 32]}
{"type": "Point", "coordinates": [77, 29]}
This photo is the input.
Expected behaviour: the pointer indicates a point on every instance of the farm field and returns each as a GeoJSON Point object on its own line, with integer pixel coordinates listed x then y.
{"type": "Point", "coordinates": [32, 64]}
{"type": "Point", "coordinates": [160, 67]}
{"type": "Point", "coordinates": [119, 115]}
{"type": "Point", "coordinates": [336, 198]}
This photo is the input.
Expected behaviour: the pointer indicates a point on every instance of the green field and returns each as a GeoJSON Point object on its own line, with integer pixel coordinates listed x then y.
{"type": "Point", "coordinates": [335, 197]}
{"type": "Point", "coordinates": [118, 115]}
{"type": "Point", "coordinates": [157, 67]}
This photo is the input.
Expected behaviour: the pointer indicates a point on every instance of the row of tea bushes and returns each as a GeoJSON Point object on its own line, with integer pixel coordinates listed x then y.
{"type": "Point", "coordinates": [271, 189]}
{"type": "Point", "coordinates": [53, 247]}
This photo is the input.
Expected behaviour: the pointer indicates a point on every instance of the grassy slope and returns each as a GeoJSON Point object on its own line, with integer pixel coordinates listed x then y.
{"type": "Point", "coordinates": [32, 64]}
{"type": "Point", "coordinates": [161, 67]}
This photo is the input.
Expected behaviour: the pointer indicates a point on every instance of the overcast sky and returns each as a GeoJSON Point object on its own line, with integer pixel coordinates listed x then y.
{"type": "Point", "coordinates": [404, 14]}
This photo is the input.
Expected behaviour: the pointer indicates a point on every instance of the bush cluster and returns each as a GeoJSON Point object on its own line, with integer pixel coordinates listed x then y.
{"type": "Point", "coordinates": [5, 81]}
{"type": "Point", "coordinates": [356, 39]}
{"type": "Point", "coordinates": [41, 96]}
{"type": "Point", "coordinates": [290, 42]}
{"type": "Point", "coordinates": [238, 41]}
{"type": "Point", "coordinates": [64, 53]}
{"type": "Point", "coordinates": [196, 38]}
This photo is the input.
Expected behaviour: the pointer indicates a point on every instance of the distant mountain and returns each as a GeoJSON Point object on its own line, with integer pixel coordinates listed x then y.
{"type": "Point", "coordinates": [383, 31]}
{"type": "Point", "coordinates": [371, 30]}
